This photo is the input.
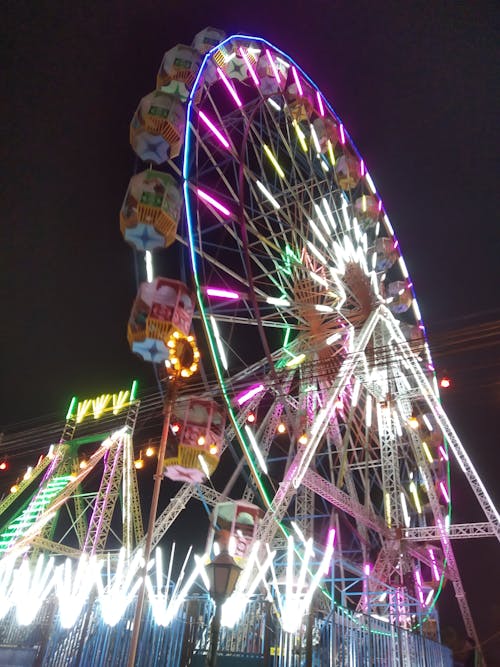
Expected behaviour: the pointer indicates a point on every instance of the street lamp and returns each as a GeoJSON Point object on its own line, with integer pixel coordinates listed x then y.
{"type": "Point", "coordinates": [222, 574]}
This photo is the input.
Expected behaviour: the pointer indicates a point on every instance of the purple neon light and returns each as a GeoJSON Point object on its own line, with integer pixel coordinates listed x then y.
{"type": "Point", "coordinates": [273, 66]}
{"type": "Point", "coordinates": [331, 538]}
{"type": "Point", "coordinates": [435, 571]}
{"type": "Point", "coordinates": [367, 568]}
{"type": "Point", "coordinates": [213, 202]}
{"type": "Point", "coordinates": [249, 66]}
{"type": "Point", "coordinates": [250, 393]}
{"type": "Point", "coordinates": [214, 129]}
{"type": "Point", "coordinates": [443, 453]}
{"type": "Point", "coordinates": [230, 88]}
{"type": "Point", "coordinates": [342, 134]}
{"type": "Point", "coordinates": [362, 167]}
{"type": "Point", "coordinates": [320, 103]}
{"type": "Point", "coordinates": [222, 293]}
{"type": "Point", "coordinates": [297, 82]}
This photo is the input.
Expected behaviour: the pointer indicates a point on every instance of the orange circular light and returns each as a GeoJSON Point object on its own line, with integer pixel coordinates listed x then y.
{"type": "Point", "coordinates": [201, 440]}
{"type": "Point", "coordinates": [3, 465]}
{"type": "Point", "coordinates": [150, 451]}
{"type": "Point", "coordinates": [84, 464]}
{"type": "Point", "coordinates": [251, 417]}
{"type": "Point", "coordinates": [13, 488]}
{"type": "Point", "coordinates": [138, 464]}
{"type": "Point", "coordinates": [445, 383]}
{"type": "Point", "coordinates": [175, 428]}
{"type": "Point", "coordinates": [281, 428]}
{"type": "Point", "coordinates": [213, 450]}
{"type": "Point", "coordinates": [303, 439]}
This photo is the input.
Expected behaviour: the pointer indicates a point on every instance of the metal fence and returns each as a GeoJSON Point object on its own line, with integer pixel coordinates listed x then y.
{"type": "Point", "coordinates": [342, 639]}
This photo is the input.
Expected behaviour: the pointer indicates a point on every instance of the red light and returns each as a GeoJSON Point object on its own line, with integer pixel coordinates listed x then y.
{"type": "Point", "coordinates": [250, 417]}
{"type": "Point", "coordinates": [445, 383]}
{"type": "Point", "coordinates": [175, 428]}
{"type": "Point", "coordinates": [3, 465]}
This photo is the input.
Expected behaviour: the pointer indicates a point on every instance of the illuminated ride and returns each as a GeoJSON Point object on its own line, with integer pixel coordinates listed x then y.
{"type": "Point", "coordinates": [309, 316]}
{"type": "Point", "coordinates": [82, 497]}
{"type": "Point", "coordinates": [263, 248]}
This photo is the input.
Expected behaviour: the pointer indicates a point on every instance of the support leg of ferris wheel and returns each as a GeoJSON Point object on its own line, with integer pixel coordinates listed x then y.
{"type": "Point", "coordinates": [302, 460]}
{"type": "Point", "coordinates": [447, 429]}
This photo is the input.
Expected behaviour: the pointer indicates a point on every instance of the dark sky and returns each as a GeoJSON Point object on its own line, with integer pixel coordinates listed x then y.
{"type": "Point", "coordinates": [416, 84]}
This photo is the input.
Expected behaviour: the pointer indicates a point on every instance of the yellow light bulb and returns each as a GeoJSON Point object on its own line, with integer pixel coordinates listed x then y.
{"type": "Point", "coordinates": [303, 439]}
{"type": "Point", "coordinates": [281, 428]}
{"type": "Point", "coordinates": [150, 451]}
{"type": "Point", "coordinates": [213, 450]}
{"type": "Point", "coordinates": [201, 440]}
{"type": "Point", "coordinates": [13, 488]}
{"type": "Point", "coordinates": [138, 464]}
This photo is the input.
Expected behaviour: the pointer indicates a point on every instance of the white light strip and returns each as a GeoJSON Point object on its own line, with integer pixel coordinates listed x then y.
{"type": "Point", "coordinates": [274, 104]}
{"type": "Point", "coordinates": [322, 218]}
{"type": "Point", "coordinates": [355, 392]}
{"type": "Point", "coordinates": [255, 447]}
{"type": "Point", "coordinates": [333, 338]}
{"type": "Point", "coordinates": [314, 136]}
{"type": "Point", "coordinates": [368, 409]}
{"type": "Point", "coordinates": [318, 279]}
{"type": "Point", "coordinates": [316, 252]}
{"type": "Point", "coordinates": [371, 184]}
{"type": "Point", "coordinates": [329, 213]}
{"type": "Point", "coordinates": [218, 340]}
{"type": "Point", "coordinates": [405, 510]}
{"type": "Point", "coordinates": [320, 236]}
{"type": "Point", "coordinates": [148, 260]}
{"type": "Point", "coordinates": [426, 421]}
{"type": "Point", "coordinates": [275, 301]}
{"type": "Point", "coordinates": [321, 308]}
{"type": "Point", "coordinates": [268, 195]}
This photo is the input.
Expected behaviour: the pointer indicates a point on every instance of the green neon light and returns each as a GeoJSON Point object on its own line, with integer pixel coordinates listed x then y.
{"type": "Point", "coordinates": [29, 516]}
{"type": "Point", "coordinates": [72, 405]}
{"type": "Point", "coordinates": [133, 390]}
{"type": "Point", "coordinates": [286, 340]}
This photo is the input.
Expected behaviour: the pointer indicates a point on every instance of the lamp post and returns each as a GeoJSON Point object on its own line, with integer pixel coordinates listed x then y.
{"type": "Point", "coordinates": [222, 574]}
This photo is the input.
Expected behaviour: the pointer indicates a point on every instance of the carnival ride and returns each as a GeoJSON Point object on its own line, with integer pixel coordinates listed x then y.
{"type": "Point", "coordinates": [293, 298]}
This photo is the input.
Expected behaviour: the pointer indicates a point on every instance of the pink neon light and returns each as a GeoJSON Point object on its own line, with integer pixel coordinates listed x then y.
{"type": "Point", "coordinates": [230, 88]}
{"type": "Point", "coordinates": [331, 538]}
{"type": "Point", "coordinates": [297, 82]}
{"type": "Point", "coordinates": [212, 127]}
{"type": "Point", "coordinates": [443, 452]}
{"type": "Point", "coordinates": [249, 66]}
{"type": "Point", "coordinates": [444, 492]}
{"type": "Point", "coordinates": [243, 398]}
{"type": "Point", "coordinates": [435, 570]}
{"type": "Point", "coordinates": [222, 293]}
{"type": "Point", "coordinates": [367, 569]}
{"type": "Point", "coordinates": [362, 167]}
{"type": "Point", "coordinates": [273, 66]}
{"type": "Point", "coordinates": [379, 205]}
{"type": "Point", "coordinates": [213, 202]}
{"type": "Point", "coordinates": [320, 103]}
{"type": "Point", "coordinates": [342, 134]}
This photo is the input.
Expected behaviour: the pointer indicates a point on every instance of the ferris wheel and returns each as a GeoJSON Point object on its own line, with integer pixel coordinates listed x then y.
{"type": "Point", "coordinates": [306, 309]}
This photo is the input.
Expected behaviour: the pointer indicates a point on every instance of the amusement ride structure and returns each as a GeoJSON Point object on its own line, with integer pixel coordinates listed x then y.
{"type": "Point", "coordinates": [275, 306]}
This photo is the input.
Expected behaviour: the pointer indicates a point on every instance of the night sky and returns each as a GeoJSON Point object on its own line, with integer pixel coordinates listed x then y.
{"type": "Point", "coordinates": [416, 85]}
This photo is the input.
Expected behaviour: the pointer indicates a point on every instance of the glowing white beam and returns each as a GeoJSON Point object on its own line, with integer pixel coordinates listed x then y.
{"type": "Point", "coordinates": [256, 449]}
{"type": "Point", "coordinates": [120, 589]}
{"type": "Point", "coordinates": [219, 343]}
{"type": "Point", "coordinates": [316, 252]}
{"type": "Point", "coordinates": [318, 279]}
{"type": "Point", "coordinates": [317, 232]}
{"type": "Point", "coordinates": [405, 509]}
{"type": "Point", "coordinates": [268, 195]}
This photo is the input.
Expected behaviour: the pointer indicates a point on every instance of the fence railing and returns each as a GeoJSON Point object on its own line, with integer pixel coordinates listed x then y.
{"type": "Point", "coordinates": [343, 639]}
